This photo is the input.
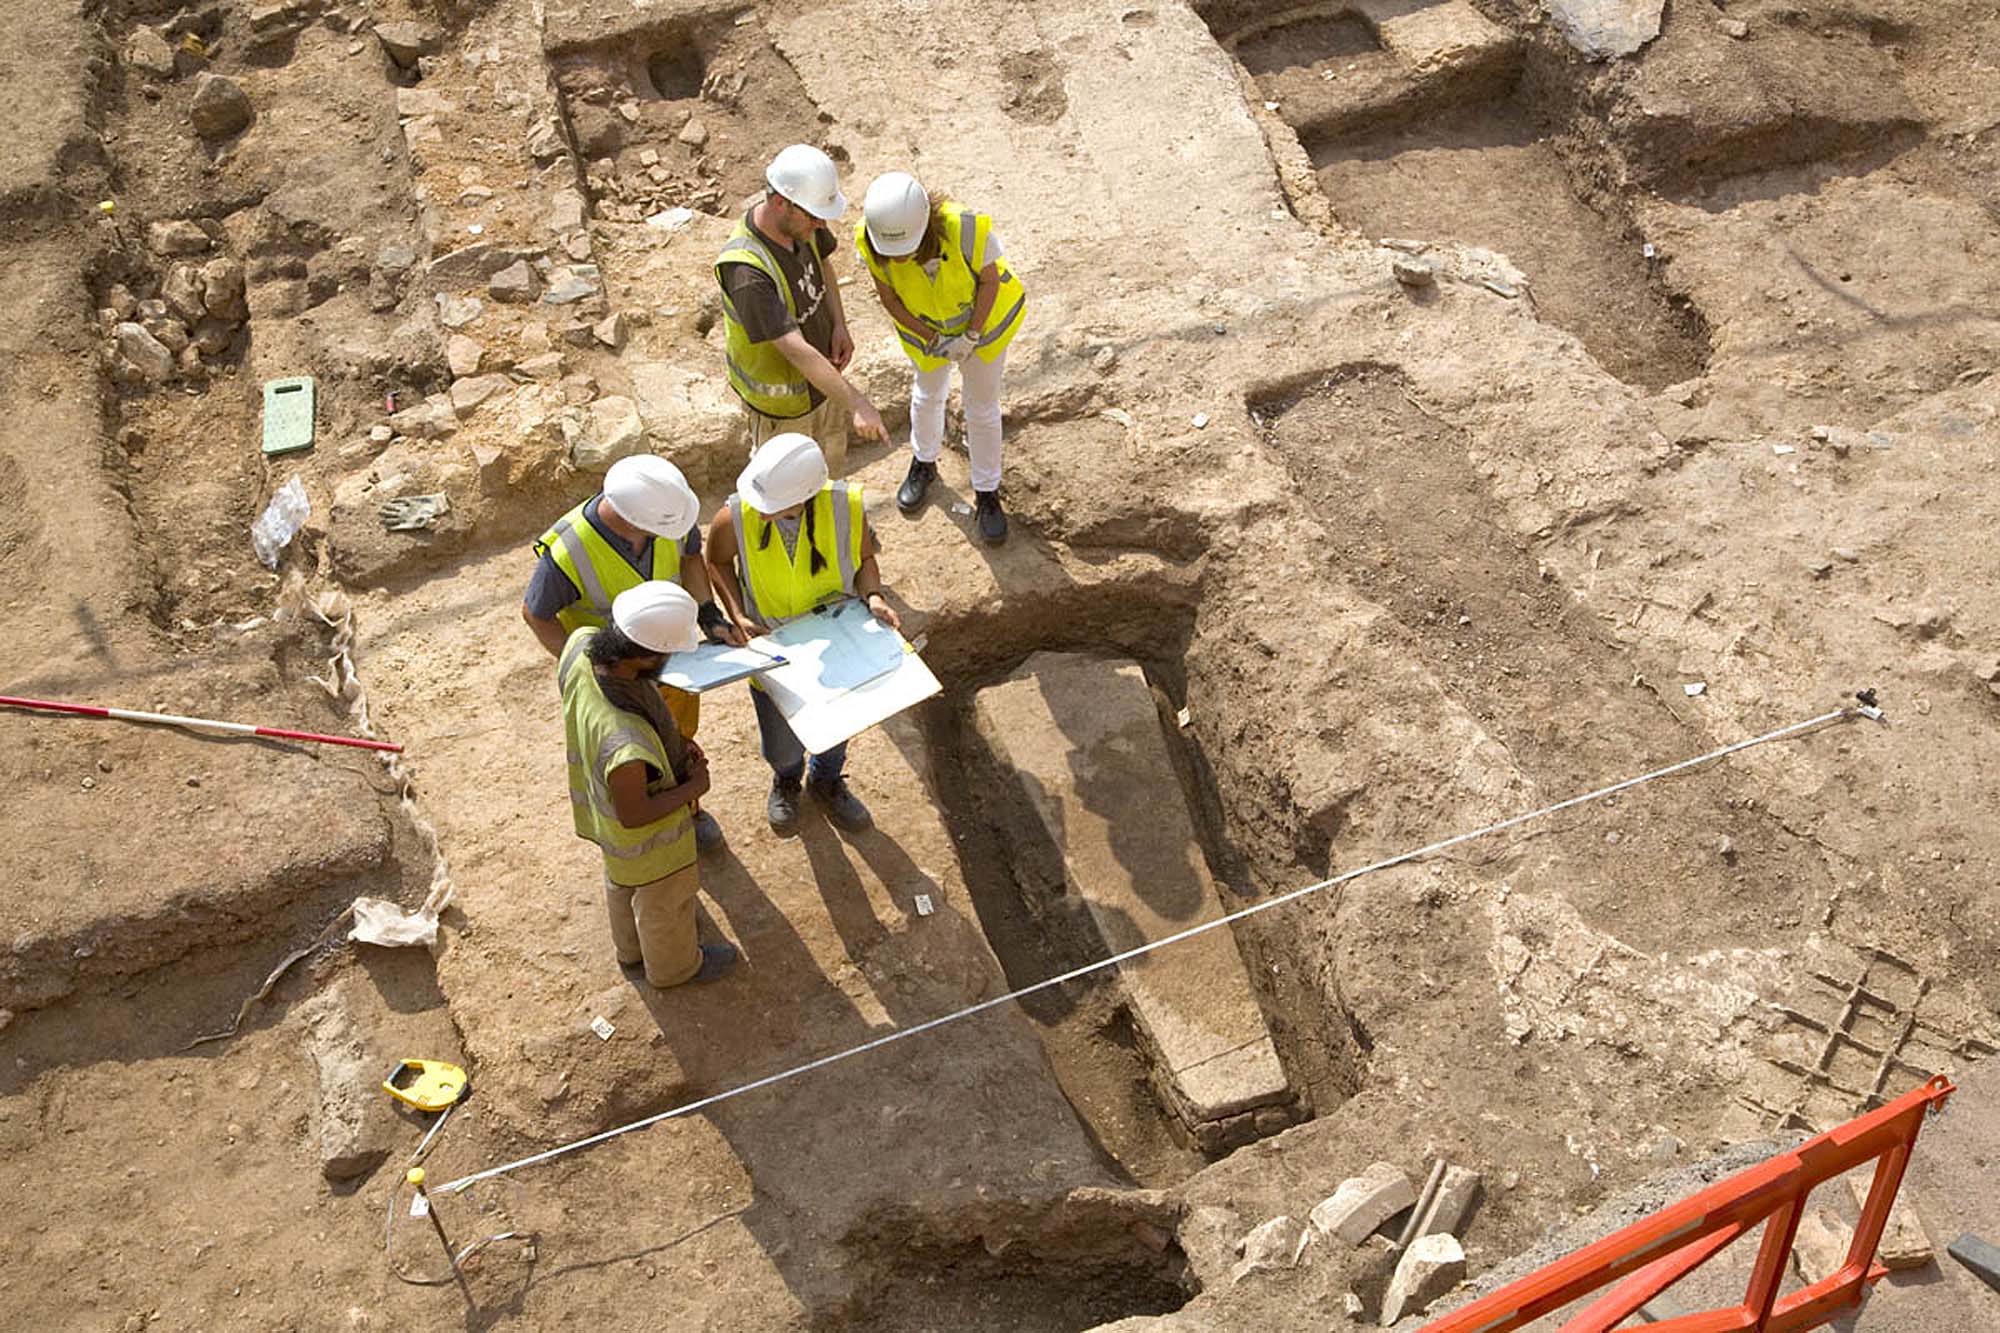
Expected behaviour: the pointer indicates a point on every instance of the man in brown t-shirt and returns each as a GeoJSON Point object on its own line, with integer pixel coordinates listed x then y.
{"type": "Point", "coordinates": [815, 340]}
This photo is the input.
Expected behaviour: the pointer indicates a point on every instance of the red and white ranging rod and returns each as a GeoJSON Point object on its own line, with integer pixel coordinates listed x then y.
{"type": "Point", "coordinates": [207, 724]}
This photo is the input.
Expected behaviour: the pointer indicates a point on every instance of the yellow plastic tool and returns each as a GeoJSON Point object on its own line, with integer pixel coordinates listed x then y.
{"type": "Point", "coordinates": [428, 1085]}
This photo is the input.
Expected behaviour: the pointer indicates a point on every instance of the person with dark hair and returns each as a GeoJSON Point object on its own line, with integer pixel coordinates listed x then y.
{"type": "Point", "coordinates": [941, 276]}
{"type": "Point", "coordinates": [634, 779]}
{"type": "Point", "coordinates": [787, 541]}
{"type": "Point", "coordinates": [785, 335]}
{"type": "Point", "coordinates": [641, 526]}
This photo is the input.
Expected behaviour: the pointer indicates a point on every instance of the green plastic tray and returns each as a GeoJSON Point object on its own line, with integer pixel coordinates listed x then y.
{"type": "Point", "coordinates": [288, 414]}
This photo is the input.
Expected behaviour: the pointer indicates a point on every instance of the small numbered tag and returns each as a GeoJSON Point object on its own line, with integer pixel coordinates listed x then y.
{"type": "Point", "coordinates": [420, 1205]}
{"type": "Point", "coordinates": [924, 907]}
{"type": "Point", "coordinates": [602, 1027]}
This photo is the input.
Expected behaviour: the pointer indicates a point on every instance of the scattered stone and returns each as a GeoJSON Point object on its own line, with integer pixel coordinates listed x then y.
{"type": "Point", "coordinates": [1819, 569]}
{"type": "Point", "coordinates": [212, 336]}
{"type": "Point", "coordinates": [433, 418]}
{"type": "Point", "coordinates": [1363, 1203]}
{"type": "Point", "coordinates": [545, 143]}
{"type": "Point", "coordinates": [351, 1132]}
{"type": "Point", "coordinates": [177, 238]}
{"type": "Point", "coordinates": [220, 107]}
{"type": "Point", "coordinates": [609, 430]}
{"type": "Point", "coordinates": [1847, 555]}
{"type": "Point", "coordinates": [491, 461]}
{"type": "Point", "coordinates": [565, 211]}
{"type": "Point", "coordinates": [1606, 29]}
{"type": "Point", "coordinates": [120, 301]}
{"type": "Point", "coordinates": [1431, 1267]}
{"type": "Point", "coordinates": [1104, 359]}
{"type": "Point", "coordinates": [148, 52]}
{"type": "Point", "coordinates": [1414, 272]}
{"type": "Point", "coordinates": [568, 286]}
{"type": "Point", "coordinates": [146, 355]}
{"type": "Point", "coordinates": [406, 41]}
{"type": "Point", "coordinates": [611, 330]}
{"type": "Point", "coordinates": [414, 102]}
{"type": "Point", "coordinates": [463, 355]}
{"type": "Point", "coordinates": [223, 289]}
{"type": "Point", "coordinates": [515, 284]}
{"type": "Point", "coordinates": [630, 110]}
{"type": "Point", "coordinates": [1458, 1194]}
{"type": "Point", "coordinates": [380, 434]}
{"type": "Point", "coordinates": [181, 289]}
{"type": "Point", "coordinates": [546, 366]}
{"type": "Point", "coordinates": [469, 264]}
{"type": "Point", "coordinates": [694, 134]}
{"type": "Point", "coordinates": [1736, 28]}
{"type": "Point", "coordinates": [468, 394]}
{"type": "Point", "coordinates": [1276, 1244]}
{"type": "Point", "coordinates": [1819, 1248]}
{"type": "Point", "coordinates": [649, 157]}
{"type": "Point", "coordinates": [1904, 1243]}
{"type": "Point", "coordinates": [455, 312]}
{"type": "Point", "coordinates": [577, 245]}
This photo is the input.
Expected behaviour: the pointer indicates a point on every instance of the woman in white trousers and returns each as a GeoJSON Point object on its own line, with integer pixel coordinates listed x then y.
{"type": "Point", "coordinates": [945, 283]}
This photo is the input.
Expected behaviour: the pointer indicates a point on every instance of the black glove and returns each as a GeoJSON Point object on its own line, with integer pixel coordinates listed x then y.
{"type": "Point", "coordinates": [708, 616]}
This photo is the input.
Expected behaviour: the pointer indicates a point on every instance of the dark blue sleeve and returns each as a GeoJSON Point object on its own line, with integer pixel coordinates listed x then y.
{"type": "Point", "coordinates": [691, 544]}
{"type": "Point", "coordinates": [549, 591]}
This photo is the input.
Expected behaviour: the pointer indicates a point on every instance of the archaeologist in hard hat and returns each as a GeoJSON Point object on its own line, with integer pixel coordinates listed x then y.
{"type": "Point", "coordinates": [940, 274]}
{"type": "Point", "coordinates": [634, 779]}
{"type": "Point", "coordinates": [788, 540]}
{"type": "Point", "coordinates": [640, 526]}
{"type": "Point", "coordinates": [784, 329]}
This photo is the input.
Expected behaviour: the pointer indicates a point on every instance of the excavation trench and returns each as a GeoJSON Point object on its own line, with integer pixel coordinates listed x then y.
{"type": "Point", "coordinates": [1086, 828]}
{"type": "Point", "coordinates": [1417, 125]}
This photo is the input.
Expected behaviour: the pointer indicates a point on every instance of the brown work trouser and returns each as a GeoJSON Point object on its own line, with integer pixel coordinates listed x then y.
{"type": "Point", "coordinates": [654, 924]}
{"type": "Point", "coordinates": [827, 424]}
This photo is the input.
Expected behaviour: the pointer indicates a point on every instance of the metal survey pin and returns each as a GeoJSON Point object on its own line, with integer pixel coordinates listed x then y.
{"type": "Point", "coordinates": [420, 1206]}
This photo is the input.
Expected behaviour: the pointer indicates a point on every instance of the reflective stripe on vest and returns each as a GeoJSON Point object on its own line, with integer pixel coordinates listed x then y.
{"type": "Point", "coordinates": [944, 303]}
{"type": "Point", "coordinates": [759, 372]}
{"type": "Point", "coordinates": [778, 587]}
{"type": "Point", "coordinates": [596, 727]}
{"type": "Point", "coordinates": [597, 570]}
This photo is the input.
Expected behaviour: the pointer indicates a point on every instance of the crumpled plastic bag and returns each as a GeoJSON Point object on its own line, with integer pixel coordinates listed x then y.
{"type": "Point", "coordinates": [378, 921]}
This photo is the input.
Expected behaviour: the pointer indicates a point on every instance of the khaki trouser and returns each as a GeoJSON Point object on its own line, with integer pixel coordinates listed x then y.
{"type": "Point", "coordinates": [826, 423]}
{"type": "Point", "coordinates": [654, 924]}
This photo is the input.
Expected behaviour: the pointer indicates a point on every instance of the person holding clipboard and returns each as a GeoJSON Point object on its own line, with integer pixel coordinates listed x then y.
{"type": "Point", "coordinates": [788, 540]}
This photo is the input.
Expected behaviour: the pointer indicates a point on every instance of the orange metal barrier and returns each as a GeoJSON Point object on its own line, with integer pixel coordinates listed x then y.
{"type": "Point", "coordinates": [1656, 1252]}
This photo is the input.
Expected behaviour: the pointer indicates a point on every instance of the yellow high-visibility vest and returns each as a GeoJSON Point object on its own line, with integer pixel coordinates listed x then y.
{"type": "Point", "coordinates": [601, 736]}
{"type": "Point", "coordinates": [944, 302]}
{"type": "Point", "coordinates": [778, 587]}
{"type": "Point", "coordinates": [596, 569]}
{"type": "Point", "coordinates": [759, 372]}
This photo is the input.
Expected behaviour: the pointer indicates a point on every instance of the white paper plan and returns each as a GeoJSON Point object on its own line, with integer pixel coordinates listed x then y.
{"type": "Point", "coordinates": [831, 651]}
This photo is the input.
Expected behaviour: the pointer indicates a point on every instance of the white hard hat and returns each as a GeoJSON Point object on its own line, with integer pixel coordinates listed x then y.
{"type": "Point", "coordinates": [806, 176]}
{"type": "Point", "coordinates": [896, 212]}
{"type": "Point", "coordinates": [657, 615]}
{"type": "Point", "coordinates": [786, 470]}
{"type": "Point", "coordinates": [650, 493]}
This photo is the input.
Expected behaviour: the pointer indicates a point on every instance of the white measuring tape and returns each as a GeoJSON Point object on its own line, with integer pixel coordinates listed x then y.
{"type": "Point", "coordinates": [901, 1034]}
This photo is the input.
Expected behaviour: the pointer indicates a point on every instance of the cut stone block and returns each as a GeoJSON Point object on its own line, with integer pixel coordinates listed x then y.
{"type": "Point", "coordinates": [1819, 1247]}
{"type": "Point", "coordinates": [1431, 1267]}
{"type": "Point", "coordinates": [1904, 1243]}
{"type": "Point", "coordinates": [1363, 1203]}
{"type": "Point", "coordinates": [1451, 1207]}
{"type": "Point", "coordinates": [1082, 738]}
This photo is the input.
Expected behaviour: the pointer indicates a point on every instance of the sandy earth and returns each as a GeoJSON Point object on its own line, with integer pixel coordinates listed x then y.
{"type": "Point", "coordinates": [1700, 393]}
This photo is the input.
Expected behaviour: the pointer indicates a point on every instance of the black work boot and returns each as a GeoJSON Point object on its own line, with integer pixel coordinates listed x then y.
{"type": "Point", "coordinates": [843, 807]}
{"type": "Point", "coordinates": [910, 495]}
{"type": "Point", "coordinates": [992, 520]}
{"type": "Point", "coordinates": [781, 807]}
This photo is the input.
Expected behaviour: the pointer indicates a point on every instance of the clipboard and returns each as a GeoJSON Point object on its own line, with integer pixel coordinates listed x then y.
{"type": "Point", "coordinates": [710, 666]}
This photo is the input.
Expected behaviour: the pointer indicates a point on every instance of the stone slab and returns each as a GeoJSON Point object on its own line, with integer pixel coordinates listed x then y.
{"type": "Point", "coordinates": [1363, 1203]}
{"type": "Point", "coordinates": [1083, 738]}
{"type": "Point", "coordinates": [1605, 29]}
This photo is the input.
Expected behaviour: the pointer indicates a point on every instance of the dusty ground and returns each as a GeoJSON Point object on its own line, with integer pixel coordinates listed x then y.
{"type": "Point", "coordinates": [1701, 393]}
